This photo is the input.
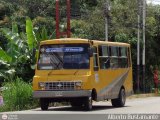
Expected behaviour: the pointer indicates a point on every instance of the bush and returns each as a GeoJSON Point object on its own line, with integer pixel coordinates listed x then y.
{"type": "Point", "coordinates": [18, 96]}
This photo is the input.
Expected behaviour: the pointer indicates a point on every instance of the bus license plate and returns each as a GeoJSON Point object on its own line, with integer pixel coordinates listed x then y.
{"type": "Point", "coordinates": [59, 93]}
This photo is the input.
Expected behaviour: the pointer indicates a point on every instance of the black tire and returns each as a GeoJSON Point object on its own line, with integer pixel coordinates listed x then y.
{"type": "Point", "coordinates": [88, 103]}
{"type": "Point", "coordinates": [120, 101]}
{"type": "Point", "coordinates": [44, 103]}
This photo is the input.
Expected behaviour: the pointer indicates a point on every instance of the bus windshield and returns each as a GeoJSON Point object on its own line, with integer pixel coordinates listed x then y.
{"type": "Point", "coordinates": [66, 56]}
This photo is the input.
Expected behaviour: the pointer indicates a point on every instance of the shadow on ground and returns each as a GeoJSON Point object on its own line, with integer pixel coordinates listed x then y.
{"type": "Point", "coordinates": [80, 109]}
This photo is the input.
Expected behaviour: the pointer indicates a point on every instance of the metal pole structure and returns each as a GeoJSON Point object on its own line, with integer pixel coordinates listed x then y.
{"type": "Point", "coordinates": [143, 62]}
{"type": "Point", "coordinates": [138, 48]}
{"type": "Point", "coordinates": [68, 18]}
{"type": "Point", "coordinates": [57, 20]}
{"type": "Point", "coordinates": [68, 32]}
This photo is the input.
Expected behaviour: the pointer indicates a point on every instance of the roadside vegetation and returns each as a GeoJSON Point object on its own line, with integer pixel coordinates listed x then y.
{"type": "Point", "coordinates": [17, 95]}
{"type": "Point", "coordinates": [24, 23]}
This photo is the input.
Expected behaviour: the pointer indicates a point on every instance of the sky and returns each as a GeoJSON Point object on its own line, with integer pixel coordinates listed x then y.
{"type": "Point", "coordinates": [153, 1]}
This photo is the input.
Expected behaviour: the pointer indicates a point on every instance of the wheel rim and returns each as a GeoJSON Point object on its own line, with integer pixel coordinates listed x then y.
{"type": "Point", "coordinates": [123, 96]}
{"type": "Point", "coordinates": [90, 102]}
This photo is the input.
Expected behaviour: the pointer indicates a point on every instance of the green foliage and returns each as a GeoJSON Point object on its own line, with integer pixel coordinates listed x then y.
{"type": "Point", "coordinates": [30, 34]}
{"type": "Point", "coordinates": [17, 96]}
{"type": "Point", "coordinates": [44, 34]}
{"type": "Point", "coordinates": [15, 43]}
{"type": "Point", "coordinates": [19, 50]}
{"type": "Point", "coordinates": [17, 55]}
{"type": "Point", "coordinates": [4, 70]}
{"type": "Point", "coordinates": [4, 56]}
{"type": "Point", "coordinates": [78, 28]}
{"type": "Point", "coordinates": [96, 25]}
{"type": "Point", "coordinates": [41, 34]}
{"type": "Point", "coordinates": [14, 28]}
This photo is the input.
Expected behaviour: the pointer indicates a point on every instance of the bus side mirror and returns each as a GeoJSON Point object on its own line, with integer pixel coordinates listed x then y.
{"type": "Point", "coordinates": [90, 51]}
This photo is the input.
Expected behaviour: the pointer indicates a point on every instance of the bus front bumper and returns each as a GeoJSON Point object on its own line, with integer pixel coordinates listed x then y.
{"type": "Point", "coordinates": [61, 94]}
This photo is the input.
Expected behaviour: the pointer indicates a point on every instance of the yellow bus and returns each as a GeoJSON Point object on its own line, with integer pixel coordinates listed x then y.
{"type": "Point", "coordinates": [81, 71]}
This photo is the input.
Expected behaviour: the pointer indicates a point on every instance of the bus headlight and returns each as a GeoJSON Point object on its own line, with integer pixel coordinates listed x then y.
{"type": "Point", "coordinates": [41, 85]}
{"type": "Point", "coordinates": [78, 85]}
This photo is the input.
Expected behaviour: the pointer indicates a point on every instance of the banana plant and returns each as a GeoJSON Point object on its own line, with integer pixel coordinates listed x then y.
{"type": "Point", "coordinates": [7, 57]}
{"type": "Point", "coordinates": [16, 52]}
{"type": "Point", "coordinates": [19, 51]}
{"type": "Point", "coordinates": [5, 73]}
{"type": "Point", "coordinates": [31, 36]}
{"type": "Point", "coordinates": [4, 56]}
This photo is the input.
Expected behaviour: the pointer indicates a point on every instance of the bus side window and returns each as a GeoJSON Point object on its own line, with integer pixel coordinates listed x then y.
{"type": "Point", "coordinates": [123, 61]}
{"type": "Point", "coordinates": [95, 56]}
{"type": "Point", "coordinates": [104, 57]}
{"type": "Point", "coordinates": [114, 63]}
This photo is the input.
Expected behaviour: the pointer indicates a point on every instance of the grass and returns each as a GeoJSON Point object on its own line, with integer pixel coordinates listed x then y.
{"type": "Point", "coordinates": [17, 96]}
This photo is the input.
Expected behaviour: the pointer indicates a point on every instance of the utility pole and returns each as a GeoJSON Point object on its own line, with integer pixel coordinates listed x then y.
{"type": "Point", "coordinates": [138, 46]}
{"type": "Point", "coordinates": [106, 13]}
{"type": "Point", "coordinates": [144, 29]}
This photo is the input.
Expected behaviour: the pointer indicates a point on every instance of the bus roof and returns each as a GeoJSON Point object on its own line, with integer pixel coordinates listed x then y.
{"type": "Point", "coordinates": [79, 40]}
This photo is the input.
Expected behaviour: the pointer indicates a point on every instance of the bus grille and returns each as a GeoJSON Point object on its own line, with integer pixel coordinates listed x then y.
{"type": "Point", "coordinates": [59, 85]}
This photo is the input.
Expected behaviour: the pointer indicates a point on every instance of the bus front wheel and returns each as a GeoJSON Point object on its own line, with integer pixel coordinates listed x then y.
{"type": "Point", "coordinates": [120, 101]}
{"type": "Point", "coordinates": [44, 103]}
{"type": "Point", "coordinates": [88, 103]}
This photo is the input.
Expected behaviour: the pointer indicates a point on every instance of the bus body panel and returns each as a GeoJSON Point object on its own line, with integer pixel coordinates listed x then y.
{"type": "Point", "coordinates": [106, 82]}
